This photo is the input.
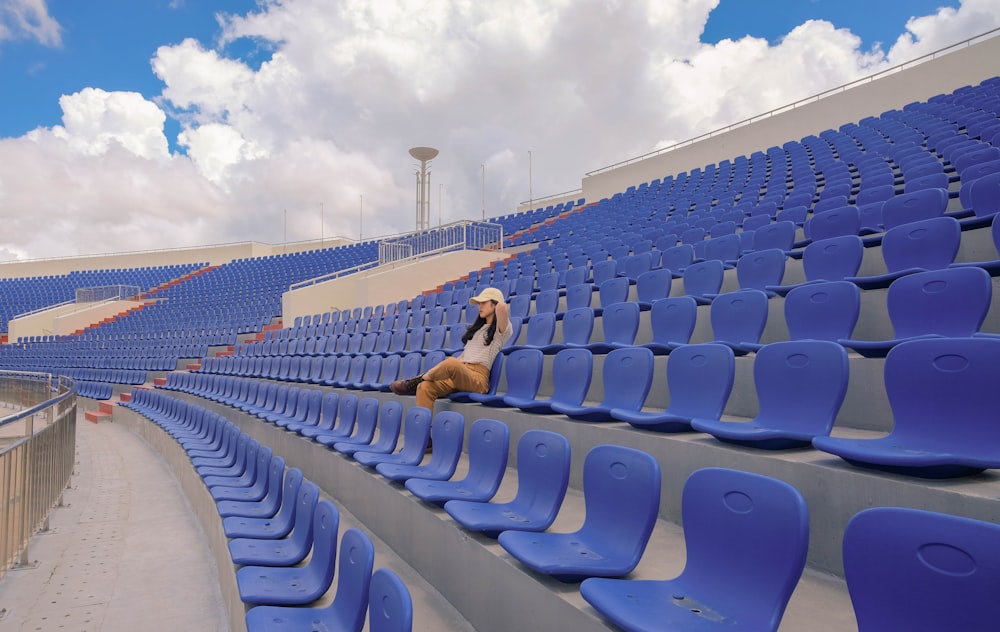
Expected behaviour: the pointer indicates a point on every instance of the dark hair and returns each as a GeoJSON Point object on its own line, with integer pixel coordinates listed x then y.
{"type": "Point", "coordinates": [477, 325]}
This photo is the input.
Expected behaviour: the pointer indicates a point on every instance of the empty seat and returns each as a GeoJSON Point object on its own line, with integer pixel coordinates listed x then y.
{"type": "Point", "coordinates": [571, 374]}
{"type": "Point", "coordinates": [627, 374]}
{"type": "Point", "coordinates": [296, 585]}
{"type": "Point", "coordinates": [672, 321]}
{"type": "Point", "coordinates": [944, 399]}
{"type": "Point", "coordinates": [746, 537]}
{"type": "Point", "coordinates": [929, 244]}
{"type": "Point", "coordinates": [416, 432]}
{"type": "Point", "coordinates": [703, 280]}
{"type": "Point", "coordinates": [286, 551]}
{"type": "Point", "coordinates": [699, 381]}
{"type": "Point", "coordinates": [910, 569]}
{"type": "Point", "coordinates": [489, 441]}
{"type": "Point", "coordinates": [543, 460]}
{"type": "Point", "coordinates": [822, 311]}
{"type": "Point", "coordinates": [390, 415]}
{"type": "Point", "coordinates": [620, 323]}
{"type": "Point", "coordinates": [349, 606]}
{"type": "Point", "coordinates": [800, 386]}
{"type": "Point", "coordinates": [390, 607]}
{"type": "Point", "coordinates": [270, 527]}
{"type": "Point", "coordinates": [829, 260]}
{"type": "Point", "coordinates": [738, 319]}
{"type": "Point", "coordinates": [914, 206]}
{"type": "Point", "coordinates": [952, 302]}
{"type": "Point", "coordinates": [447, 435]}
{"type": "Point", "coordinates": [621, 488]}
{"type": "Point", "coordinates": [541, 329]}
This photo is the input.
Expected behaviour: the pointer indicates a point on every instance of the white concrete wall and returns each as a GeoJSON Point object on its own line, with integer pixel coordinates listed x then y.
{"type": "Point", "coordinates": [66, 319]}
{"type": "Point", "coordinates": [964, 66]}
{"type": "Point", "coordinates": [386, 284]}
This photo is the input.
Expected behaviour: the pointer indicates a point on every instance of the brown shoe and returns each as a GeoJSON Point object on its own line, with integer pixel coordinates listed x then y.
{"type": "Point", "coordinates": [406, 387]}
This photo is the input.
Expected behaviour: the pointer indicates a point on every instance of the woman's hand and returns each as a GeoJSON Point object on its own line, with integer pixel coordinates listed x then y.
{"type": "Point", "coordinates": [502, 314]}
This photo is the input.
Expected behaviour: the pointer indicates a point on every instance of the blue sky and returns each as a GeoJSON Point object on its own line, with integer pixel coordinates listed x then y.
{"type": "Point", "coordinates": [135, 124]}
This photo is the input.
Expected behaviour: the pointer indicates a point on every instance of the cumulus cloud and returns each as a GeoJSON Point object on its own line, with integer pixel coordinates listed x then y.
{"type": "Point", "coordinates": [346, 87]}
{"type": "Point", "coordinates": [29, 19]}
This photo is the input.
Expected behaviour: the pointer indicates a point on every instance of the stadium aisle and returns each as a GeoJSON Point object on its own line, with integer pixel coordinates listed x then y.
{"type": "Point", "coordinates": [125, 554]}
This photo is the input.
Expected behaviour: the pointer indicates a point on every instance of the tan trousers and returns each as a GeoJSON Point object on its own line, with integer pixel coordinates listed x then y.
{"type": "Point", "coordinates": [451, 376]}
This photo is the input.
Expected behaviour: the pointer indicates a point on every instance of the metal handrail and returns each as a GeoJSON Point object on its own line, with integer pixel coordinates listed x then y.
{"type": "Point", "coordinates": [35, 469]}
{"type": "Point", "coordinates": [811, 99]}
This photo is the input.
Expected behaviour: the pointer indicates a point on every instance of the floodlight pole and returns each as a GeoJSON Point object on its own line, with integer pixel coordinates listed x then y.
{"type": "Point", "coordinates": [423, 215]}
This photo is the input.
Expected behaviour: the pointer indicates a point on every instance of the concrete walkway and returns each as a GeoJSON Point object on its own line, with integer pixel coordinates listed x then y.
{"type": "Point", "coordinates": [124, 554]}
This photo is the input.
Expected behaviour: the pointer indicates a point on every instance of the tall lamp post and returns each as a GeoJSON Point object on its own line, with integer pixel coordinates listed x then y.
{"type": "Point", "coordinates": [531, 196]}
{"type": "Point", "coordinates": [423, 215]}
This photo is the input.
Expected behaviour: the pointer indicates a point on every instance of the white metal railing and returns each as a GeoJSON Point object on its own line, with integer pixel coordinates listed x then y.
{"type": "Point", "coordinates": [107, 293]}
{"type": "Point", "coordinates": [36, 460]}
{"type": "Point", "coordinates": [460, 235]}
{"type": "Point", "coordinates": [791, 106]}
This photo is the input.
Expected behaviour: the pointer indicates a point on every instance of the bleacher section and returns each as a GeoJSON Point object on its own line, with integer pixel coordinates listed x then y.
{"type": "Point", "coordinates": [746, 334]}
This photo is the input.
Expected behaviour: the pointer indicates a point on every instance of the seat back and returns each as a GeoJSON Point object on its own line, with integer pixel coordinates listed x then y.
{"type": "Point", "coordinates": [703, 278]}
{"type": "Point", "coordinates": [347, 415]}
{"type": "Point", "coordinates": [746, 537]}
{"type": "Point", "coordinates": [761, 268]}
{"type": "Point", "coordinates": [390, 369]}
{"type": "Point", "coordinates": [822, 311]}
{"type": "Point", "coordinates": [676, 258]}
{"type": "Point", "coordinates": [930, 244]}
{"type": "Point", "coordinates": [448, 434]}
{"type": "Point", "coordinates": [621, 322]}
{"type": "Point", "coordinates": [366, 417]}
{"type": "Point", "coordinates": [943, 394]}
{"type": "Point", "coordinates": [416, 432]}
{"type": "Point", "coordinates": [621, 488]}
{"type": "Point", "coordinates": [800, 385]}
{"type": "Point", "coordinates": [653, 285]}
{"type": "Point", "coordinates": [541, 329]}
{"type": "Point", "coordinates": [614, 291]}
{"type": "Point", "coordinates": [578, 325]}
{"type": "Point", "coordinates": [436, 337]}
{"type": "Point", "coordinates": [725, 248]}
{"type": "Point", "coordinates": [579, 295]}
{"type": "Point", "coordinates": [845, 220]}
{"type": "Point", "coordinates": [909, 569]}
{"type": "Point", "coordinates": [547, 302]}
{"type": "Point", "coordinates": [390, 608]}
{"type": "Point", "coordinates": [571, 374]}
{"type": "Point", "coordinates": [952, 302]}
{"type": "Point", "coordinates": [779, 235]}
{"type": "Point", "coordinates": [833, 259]}
{"type": "Point", "coordinates": [357, 371]}
{"type": "Point", "coordinates": [301, 536]}
{"type": "Point", "coordinates": [390, 418]}
{"type": "Point", "coordinates": [984, 193]}
{"type": "Point", "coordinates": [700, 379]}
{"type": "Point", "coordinates": [410, 365]}
{"type": "Point", "coordinates": [914, 206]}
{"type": "Point", "coordinates": [673, 319]}
{"type": "Point", "coordinates": [356, 559]}
{"type": "Point", "coordinates": [543, 460]}
{"type": "Point", "coordinates": [524, 373]}
{"type": "Point", "coordinates": [628, 374]}
{"type": "Point", "coordinates": [739, 316]}
{"type": "Point", "coordinates": [489, 445]}
{"type": "Point", "coordinates": [604, 270]}
{"type": "Point", "coordinates": [323, 561]}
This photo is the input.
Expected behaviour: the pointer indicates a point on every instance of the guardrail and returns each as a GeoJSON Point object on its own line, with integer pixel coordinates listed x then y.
{"type": "Point", "coordinates": [36, 458]}
{"type": "Point", "coordinates": [460, 235]}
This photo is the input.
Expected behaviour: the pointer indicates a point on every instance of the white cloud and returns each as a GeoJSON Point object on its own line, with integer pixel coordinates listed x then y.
{"type": "Point", "coordinates": [349, 85]}
{"type": "Point", "coordinates": [29, 19]}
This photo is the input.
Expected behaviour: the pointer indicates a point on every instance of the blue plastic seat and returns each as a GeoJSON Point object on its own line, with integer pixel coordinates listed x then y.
{"type": "Point", "coordinates": [952, 302]}
{"type": "Point", "coordinates": [269, 527]}
{"type": "Point", "coordinates": [929, 244]}
{"type": "Point", "coordinates": [543, 460]}
{"type": "Point", "coordinates": [547, 302]}
{"type": "Point", "coordinates": [577, 327]}
{"type": "Point", "coordinates": [447, 437]}
{"type": "Point", "coordinates": [914, 206]}
{"type": "Point", "coordinates": [579, 295]}
{"type": "Point", "coordinates": [390, 416]}
{"type": "Point", "coordinates": [620, 324]}
{"type": "Point", "coordinates": [652, 286]}
{"type": "Point", "coordinates": [285, 551]}
{"type": "Point", "coordinates": [416, 432]}
{"type": "Point", "coordinates": [699, 380]}
{"type": "Point", "coordinates": [672, 321]}
{"type": "Point", "coordinates": [702, 280]}
{"type": "Point", "coordinates": [326, 417]}
{"type": "Point", "coordinates": [364, 411]}
{"type": "Point", "coordinates": [944, 399]}
{"type": "Point", "coordinates": [296, 585]}
{"type": "Point", "coordinates": [822, 311]}
{"type": "Point", "coordinates": [346, 416]}
{"type": "Point", "coordinates": [677, 259]}
{"type": "Point", "coordinates": [541, 330]}
{"type": "Point", "coordinates": [829, 260]}
{"type": "Point", "coordinates": [388, 373]}
{"type": "Point", "coordinates": [910, 569]}
{"type": "Point", "coordinates": [746, 537]}
{"type": "Point", "coordinates": [266, 506]}
{"type": "Point", "coordinates": [390, 607]}
{"type": "Point", "coordinates": [780, 235]}
{"type": "Point", "coordinates": [627, 375]}
{"type": "Point", "coordinates": [349, 606]}
{"type": "Point", "coordinates": [983, 198]}
{"type": "Point", "coordinates": [571, 374]}
{"type": "Point", "coordinates": [489, 441]}
{"type": "Point", "coordinates": [621, 488]}
{"type": "Point", "coordinates": [613, 291]}
{"type": "Point", "coordinates": [761, 268]}
{"type": "Point", "coordinates": [738, 319]}
{"type": "Point", "coordinates": [845, 220]}
{"type": "Point", "coordinates": [800, 387]}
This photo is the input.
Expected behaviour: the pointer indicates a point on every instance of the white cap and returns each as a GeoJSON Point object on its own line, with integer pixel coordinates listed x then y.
{"type": "Point", "coordinates": [489, 294]}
